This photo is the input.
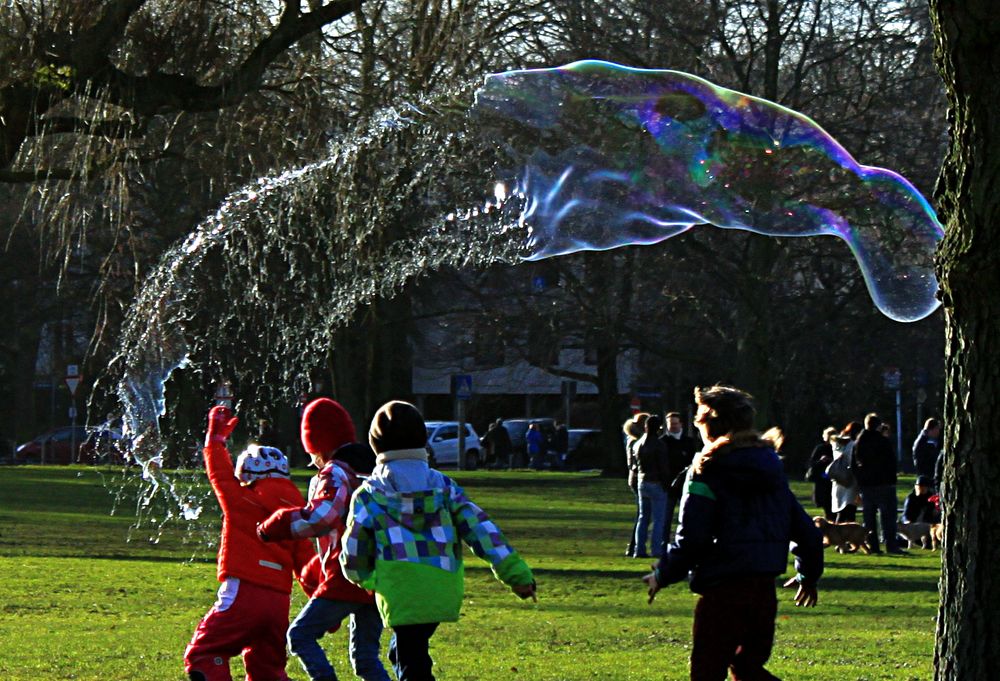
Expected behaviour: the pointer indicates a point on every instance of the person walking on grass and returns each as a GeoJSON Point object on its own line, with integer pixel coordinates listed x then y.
{"type": "Point", "coordinates": [926, 449]}
{"type": "Point", "coordinates": [875, 470]}
{"type": "Point", "coordinates": [404, 537]}
{"type": "Point", "coordinates": [534, 442]}
{"type": "Point", "coordinates": [633, 430]}
{"type": "Point", "coordinates": [654, 479]}
{"type": "Point", "coordinates": [821, 458]}
{"type": "Point", "coordinates": [681, 450]}
{"type": "Point", "coordinates": [843, 484]}
{"type": "Point", "coordinates": [251, 614]}
{"type": "Point", "coordinates": [328, 436]}
{"type": "Point", "coordinates": [737, 518]}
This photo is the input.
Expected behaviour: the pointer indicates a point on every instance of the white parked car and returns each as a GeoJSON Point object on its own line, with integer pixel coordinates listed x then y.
{"type": "Point", "coordinates": [442, 443]}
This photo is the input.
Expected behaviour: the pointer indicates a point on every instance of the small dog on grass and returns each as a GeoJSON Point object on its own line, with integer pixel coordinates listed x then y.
{"type": "Point", "coordinates": [847, 537]}
{"type": "Point", "coordinates": [916, 534]}
{"type": "Point", "coordinates": [937, 535]}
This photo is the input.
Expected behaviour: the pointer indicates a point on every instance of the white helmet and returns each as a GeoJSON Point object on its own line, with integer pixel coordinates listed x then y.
{"type": "Point", "coordinates": [258, 462]}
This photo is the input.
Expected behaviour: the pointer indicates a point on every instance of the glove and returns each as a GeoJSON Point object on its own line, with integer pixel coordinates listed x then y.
{"type": "Point", "coordinates": [221, 424]}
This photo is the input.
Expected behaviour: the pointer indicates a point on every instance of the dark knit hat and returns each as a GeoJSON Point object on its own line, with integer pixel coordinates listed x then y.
{"type": "Point", "coordinates": [326, 427]}
{"type": "Point", "coordinates": [397, 425]}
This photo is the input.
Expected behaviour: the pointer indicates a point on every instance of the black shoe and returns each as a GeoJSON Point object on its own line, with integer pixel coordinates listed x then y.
{"type": "Point", "coordinates": [897, 552]}
{"type": "Point", "coordinates": [640, 555]}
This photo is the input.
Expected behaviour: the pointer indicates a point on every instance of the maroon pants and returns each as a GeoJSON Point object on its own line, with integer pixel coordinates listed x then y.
{"type": "Point", "coordinates": [734, 630]}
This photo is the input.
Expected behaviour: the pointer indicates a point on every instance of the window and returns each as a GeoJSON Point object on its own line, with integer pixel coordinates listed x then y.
{"type": "Point", "coordinates": [446, 433]}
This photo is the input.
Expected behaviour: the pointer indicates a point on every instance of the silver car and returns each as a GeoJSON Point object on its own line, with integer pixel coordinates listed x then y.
{"type": "Point", "coordinates": [442, 443]}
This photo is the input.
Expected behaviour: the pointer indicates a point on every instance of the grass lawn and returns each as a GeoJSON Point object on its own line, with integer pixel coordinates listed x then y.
{"type": "Point", "coordinates": [86, 597]}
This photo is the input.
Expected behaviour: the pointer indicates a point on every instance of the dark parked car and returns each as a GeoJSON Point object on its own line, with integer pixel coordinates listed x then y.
{"type": "Point", "coordinates": [92, 446]}
{"type": "Point", "coordinates": [585, 450]}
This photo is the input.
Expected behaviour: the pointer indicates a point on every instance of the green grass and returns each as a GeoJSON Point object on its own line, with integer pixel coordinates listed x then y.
{"type": "Point", "coordinates": [87, 596]}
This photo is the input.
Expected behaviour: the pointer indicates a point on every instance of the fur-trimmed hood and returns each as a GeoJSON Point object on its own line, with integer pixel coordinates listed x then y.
{"type": "Point", "coordinates": [744, 456]}
{"type": "Point", "coordinates": [743, 439]}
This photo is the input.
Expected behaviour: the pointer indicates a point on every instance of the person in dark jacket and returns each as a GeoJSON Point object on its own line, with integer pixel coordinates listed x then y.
{"type": "Point", "coordinates": [498, 440]}
{"type": "Point", "coordinates": [654, 477]}
{"type": "Point", "coordinates": [822, 457]}
{"type": "Point", "coordinates": [738, 516]}
{"type": "Point", "coordinates": [926, 448]}
{"type": "Point", "coordinates": [681, 450]}
{"type": "Point", "coordinates": [919, 506]}
{"type": "Point", "coordinates": [875, 470]}
{"type": "Point", "coordinates": [560, 446]}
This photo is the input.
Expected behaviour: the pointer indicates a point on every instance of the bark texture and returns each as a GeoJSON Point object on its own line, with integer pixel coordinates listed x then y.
{"type": "Point", "coordinates": [968, 199]}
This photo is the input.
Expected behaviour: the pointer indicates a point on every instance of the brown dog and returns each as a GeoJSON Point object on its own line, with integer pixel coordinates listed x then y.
{"type": "Point", "coordinates": [917, 534]}
{"type": "Point", "coordinates": [937, 535]}
{"type": "Point", "coordinates": [847, 537]}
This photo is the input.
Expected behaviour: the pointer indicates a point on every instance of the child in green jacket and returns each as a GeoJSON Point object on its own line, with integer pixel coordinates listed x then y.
{"type": "Point", "coordinates": [403, 540]}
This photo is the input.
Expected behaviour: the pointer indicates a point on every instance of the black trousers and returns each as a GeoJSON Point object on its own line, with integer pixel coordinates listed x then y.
{"type": "Point", "coordinates": [409, 651]}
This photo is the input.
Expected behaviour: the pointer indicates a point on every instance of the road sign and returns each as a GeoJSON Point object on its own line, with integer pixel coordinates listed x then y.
{"type": "Point", "coordinates": [224, 394]}
{"type": "Point", "coordinates": [72, 377]}
{"type": "Point", "coordinates": [461, 386]}
{"type": "Point", "coordinates": [893, 379]}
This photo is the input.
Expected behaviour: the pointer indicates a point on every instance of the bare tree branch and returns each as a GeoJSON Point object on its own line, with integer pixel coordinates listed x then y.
{"type": "Point", "coordinates": [154, 92]}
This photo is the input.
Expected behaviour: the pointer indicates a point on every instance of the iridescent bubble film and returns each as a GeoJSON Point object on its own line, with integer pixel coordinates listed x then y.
{"type": "Point", "coordinates": [604, 156]}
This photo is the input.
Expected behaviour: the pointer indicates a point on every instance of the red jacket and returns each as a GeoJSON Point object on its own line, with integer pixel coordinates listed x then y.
{"type": "Point", "coordinates": [241, 553]}
{"type": "Point", "coordinates": [324, 517]}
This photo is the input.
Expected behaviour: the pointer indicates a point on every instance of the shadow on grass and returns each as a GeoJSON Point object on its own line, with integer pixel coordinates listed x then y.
{"type": "Point", "coordinates": [876, 584]}
{"type": "Point", "coordinates": [878, 563]}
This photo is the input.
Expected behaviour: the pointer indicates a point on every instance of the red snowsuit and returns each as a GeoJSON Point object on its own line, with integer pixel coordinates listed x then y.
{"type": "Point", "coordinates": [251, 615]}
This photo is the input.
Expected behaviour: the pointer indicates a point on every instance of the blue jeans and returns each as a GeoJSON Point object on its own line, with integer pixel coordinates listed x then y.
{"type": "Point", "coordinates": [880, 499]}
{"type": "Point", "coordinates": [317, 617]}
{"type": "Point", "coordinates": [652, 508]}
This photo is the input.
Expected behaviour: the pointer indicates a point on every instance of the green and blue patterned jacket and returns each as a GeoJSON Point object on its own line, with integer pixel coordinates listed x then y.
{"type": "Point", "coordinates": [404, 541]}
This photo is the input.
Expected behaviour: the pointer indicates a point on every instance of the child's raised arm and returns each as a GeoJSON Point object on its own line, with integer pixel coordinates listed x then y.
{"type": "Point", "coordinates": [317, 518]}
{"type": "Point", "coordinates": [218, 465]}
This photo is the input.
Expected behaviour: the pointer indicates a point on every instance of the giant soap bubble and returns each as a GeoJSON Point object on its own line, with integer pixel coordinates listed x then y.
{"type": "Point", "coordinates": [606, 156]}
{"type": "Point", "coordinates": [538, 163]}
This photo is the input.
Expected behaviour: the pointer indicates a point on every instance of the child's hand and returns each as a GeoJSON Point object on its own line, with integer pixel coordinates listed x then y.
{"type": "Point", "coordinates": [651, 584]}
{"type": "Point", "coordinates": [526, 591]}
{"type": "Point", "coordinates": [806, 596]}
{"type": "Point", "coordinates": [221, 424]}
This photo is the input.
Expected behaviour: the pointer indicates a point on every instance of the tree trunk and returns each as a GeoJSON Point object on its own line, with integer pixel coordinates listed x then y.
{"type": "Point", "coordinates": [372, 360]}
{"type": "Point", "coordinates": [610, 407]}
{"type": "Point", "coordinates": [755, 338]}
{"type": "Point", "coordinates": [968, 636]}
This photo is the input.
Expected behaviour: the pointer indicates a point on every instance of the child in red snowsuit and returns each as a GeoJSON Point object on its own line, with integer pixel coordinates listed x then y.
{"type": "Point", "coordinates": [251, 613]}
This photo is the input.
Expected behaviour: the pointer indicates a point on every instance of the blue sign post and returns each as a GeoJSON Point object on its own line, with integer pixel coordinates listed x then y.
{"type": "Point", "coordinates": [461, 389]}
{"type": "Point", "coordinates": [461, 386]}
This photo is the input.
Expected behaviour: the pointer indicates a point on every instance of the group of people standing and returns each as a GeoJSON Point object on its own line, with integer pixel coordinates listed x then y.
{"type": "Point", "coordinates": [541, 451]}
{"type": "Point", "coordinates": [658, 453]}
{"type": "Point", "coordinates": [857, 466]}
